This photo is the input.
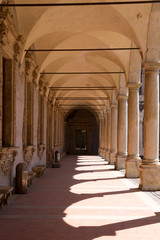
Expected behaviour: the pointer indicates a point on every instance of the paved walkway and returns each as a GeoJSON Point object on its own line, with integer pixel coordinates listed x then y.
{"type": "Point", "coordinates": [85, 199]}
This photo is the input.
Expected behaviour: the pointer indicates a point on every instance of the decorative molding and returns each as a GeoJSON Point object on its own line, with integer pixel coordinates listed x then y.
{"type": "Point", "coordinates": [7, 157]}
{"type": "Point", "coordinates": [3, 32]}
{"type": "Point", "coordinates": [122, 97]}
{"type": "Point", "coordinates": [28, 152]}
{"type": "Point", "coordinates": [151, 67]}
{"type": "Point", "coordinates": [18, 45]}
{"type": "Point", "coordinates": [28, 67]}
{"type": "Point", "coordinates": [134, 86]}
{"type": "Point", "coordinates": [50, 97]}
{"type": "Point", "coordinates": [35, 75]}
{"type": "Point", "coordinates": [41, 148]}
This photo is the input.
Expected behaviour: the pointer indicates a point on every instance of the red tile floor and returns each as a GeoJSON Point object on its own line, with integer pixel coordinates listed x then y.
{"type": "Point", "coordinates": [85, 199]}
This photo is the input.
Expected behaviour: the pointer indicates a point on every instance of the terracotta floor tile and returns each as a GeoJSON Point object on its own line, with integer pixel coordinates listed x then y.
{"type": "Point", "coordinates": [85, 199]}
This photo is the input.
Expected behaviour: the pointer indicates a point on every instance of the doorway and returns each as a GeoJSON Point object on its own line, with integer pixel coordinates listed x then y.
{"type": "Point", "coordinates": [81, 141]}
{"type": "Point", "coordinates": [82, 133]}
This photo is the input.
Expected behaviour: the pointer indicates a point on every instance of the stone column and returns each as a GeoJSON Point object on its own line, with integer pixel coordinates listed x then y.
{"type": "Point", "coordinates": [105, 135]}
{"type": "Point", "coordinates": [122, 132]}
{"type": "Point", "coordinates": [100, 136]}
{"type": "Point", "coordinates": [1, 93]}
{"type": "Point", "coordinates": [108, 135]}
{"type": "Point", "coordinates": [101, 147]}
{"type": "Point", "coordinates": [113, 151]}
{"type": "Point", "coordinates": [141, 134]}
{"type": "Point", "coordinates": [150, 167]}
{"type": "Point", "coordinates": [133, 160]}
{"type": "Point", "coordinates": [65, 140]}
{"type": "Point", "coordinates": [103, 138]}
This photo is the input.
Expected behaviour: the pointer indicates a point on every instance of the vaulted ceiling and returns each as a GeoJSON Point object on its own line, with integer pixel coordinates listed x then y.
{"type": "Point", "coordinates": [84, 27]}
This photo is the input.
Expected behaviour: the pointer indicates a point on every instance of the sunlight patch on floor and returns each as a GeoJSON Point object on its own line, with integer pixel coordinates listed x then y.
{"type": "Point", "coordinates": [91, 168]}
{"type": "Point", "coordinates": [92, 176]}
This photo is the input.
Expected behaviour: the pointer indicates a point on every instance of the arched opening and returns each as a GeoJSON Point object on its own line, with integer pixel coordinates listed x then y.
{"type": "Point", "coordinates": [82, 132]}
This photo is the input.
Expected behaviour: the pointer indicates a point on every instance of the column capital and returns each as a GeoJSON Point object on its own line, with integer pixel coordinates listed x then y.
{"type": "Point", "coordinates": [101, 117]}
{"type": "Point", "coordinates": [122, 97]}
{"type": "Point", "coordinates": [151, 67]}
{"type": "Point", "coordinates": [114, 106]}
{"type": "Point", "coordinates": [108, 111]}
{"type": "Point", "coordinates": [134, 86]}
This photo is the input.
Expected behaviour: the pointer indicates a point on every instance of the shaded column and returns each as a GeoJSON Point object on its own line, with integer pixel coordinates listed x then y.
{"type": "Point", "coordinates": [150, 167]}
{"type": "Point", "coordinates": [104, 136]}
{"type": "Point", "coordinates": [113, 151]}
{"type": "Point", "coordinates": [122, 132]}
{"type": "Point", "coordinates": [133, 160]}
{"type": "Point", "coordinates": [108, 135]}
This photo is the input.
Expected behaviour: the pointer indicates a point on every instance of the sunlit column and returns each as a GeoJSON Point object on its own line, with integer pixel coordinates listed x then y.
{"type": "Point", "coordinates": [108, 135]}
{"type": "Point", "coordinates": [103, 138]}
{"type": "Point", "coordinates": [150, 167]}
{"type": "Point", "coordinates": [133, 160]}
{"type": "Point", "coordinates": [105, 135]}
{"type": "Point", "coordinates": [122, 132]}
{"type": "Point", "coordinates": [113, 151]}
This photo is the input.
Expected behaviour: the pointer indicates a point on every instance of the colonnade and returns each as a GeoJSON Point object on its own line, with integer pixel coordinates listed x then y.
{"type": "Point", "coordinates": [122, 145]}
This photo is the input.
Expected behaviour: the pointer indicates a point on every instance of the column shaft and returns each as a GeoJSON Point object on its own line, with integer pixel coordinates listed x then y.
{"type": "Point", "coordinates": [100, 136]}
{"type": "Point", "coordinates": [108, 135]}
{"type": "Point", "coordinates": [101, 147]}
{"type": "Point", "coordinates": [104, 137]}
{"type": "Point", "coordinates": [150, 167]}
{"type": "Point", "coordinates": [133, 160]}
{"type": "Point", "coordinates": [122, 133]}
{"type": "Point", "coordinates": [113, 151]}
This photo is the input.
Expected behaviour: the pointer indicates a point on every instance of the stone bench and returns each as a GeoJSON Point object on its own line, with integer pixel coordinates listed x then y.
{"type": "Point", "coordinates": [6, 191]}
{"type": "Point", "coordinates": [39, 170]}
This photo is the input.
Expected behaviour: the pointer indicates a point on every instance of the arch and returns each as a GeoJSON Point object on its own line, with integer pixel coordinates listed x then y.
{"type": "Point", "coordinates": [81, 132]}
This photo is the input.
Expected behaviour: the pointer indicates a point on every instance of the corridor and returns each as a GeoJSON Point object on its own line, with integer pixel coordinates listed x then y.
{"type": "Point", "coordinates": [85, 199]}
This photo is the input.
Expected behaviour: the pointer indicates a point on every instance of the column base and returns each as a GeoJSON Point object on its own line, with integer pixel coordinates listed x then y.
{"type": "Point", "coordinates": [120, 161]}
{"type": "Point", "coordinates": [107, 155]}
{"type": "Point", "coordinates": [132, 167]}
{"type": "Point", "coordinates": [104, 153]}
{"type": "Point", "coordinates": [150, 177]}
{"type": "Point", "coordinates": [112, 159]}
{"type": "Point", "coordinates": [100, 152]}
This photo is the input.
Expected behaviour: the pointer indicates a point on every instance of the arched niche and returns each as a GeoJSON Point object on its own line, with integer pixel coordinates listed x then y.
{"type": "Point", "coordinates": [82, 132]}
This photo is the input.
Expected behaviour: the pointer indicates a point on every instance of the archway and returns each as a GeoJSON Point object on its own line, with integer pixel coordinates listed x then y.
{"type": "Point", "coordinates": [82, 132]}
